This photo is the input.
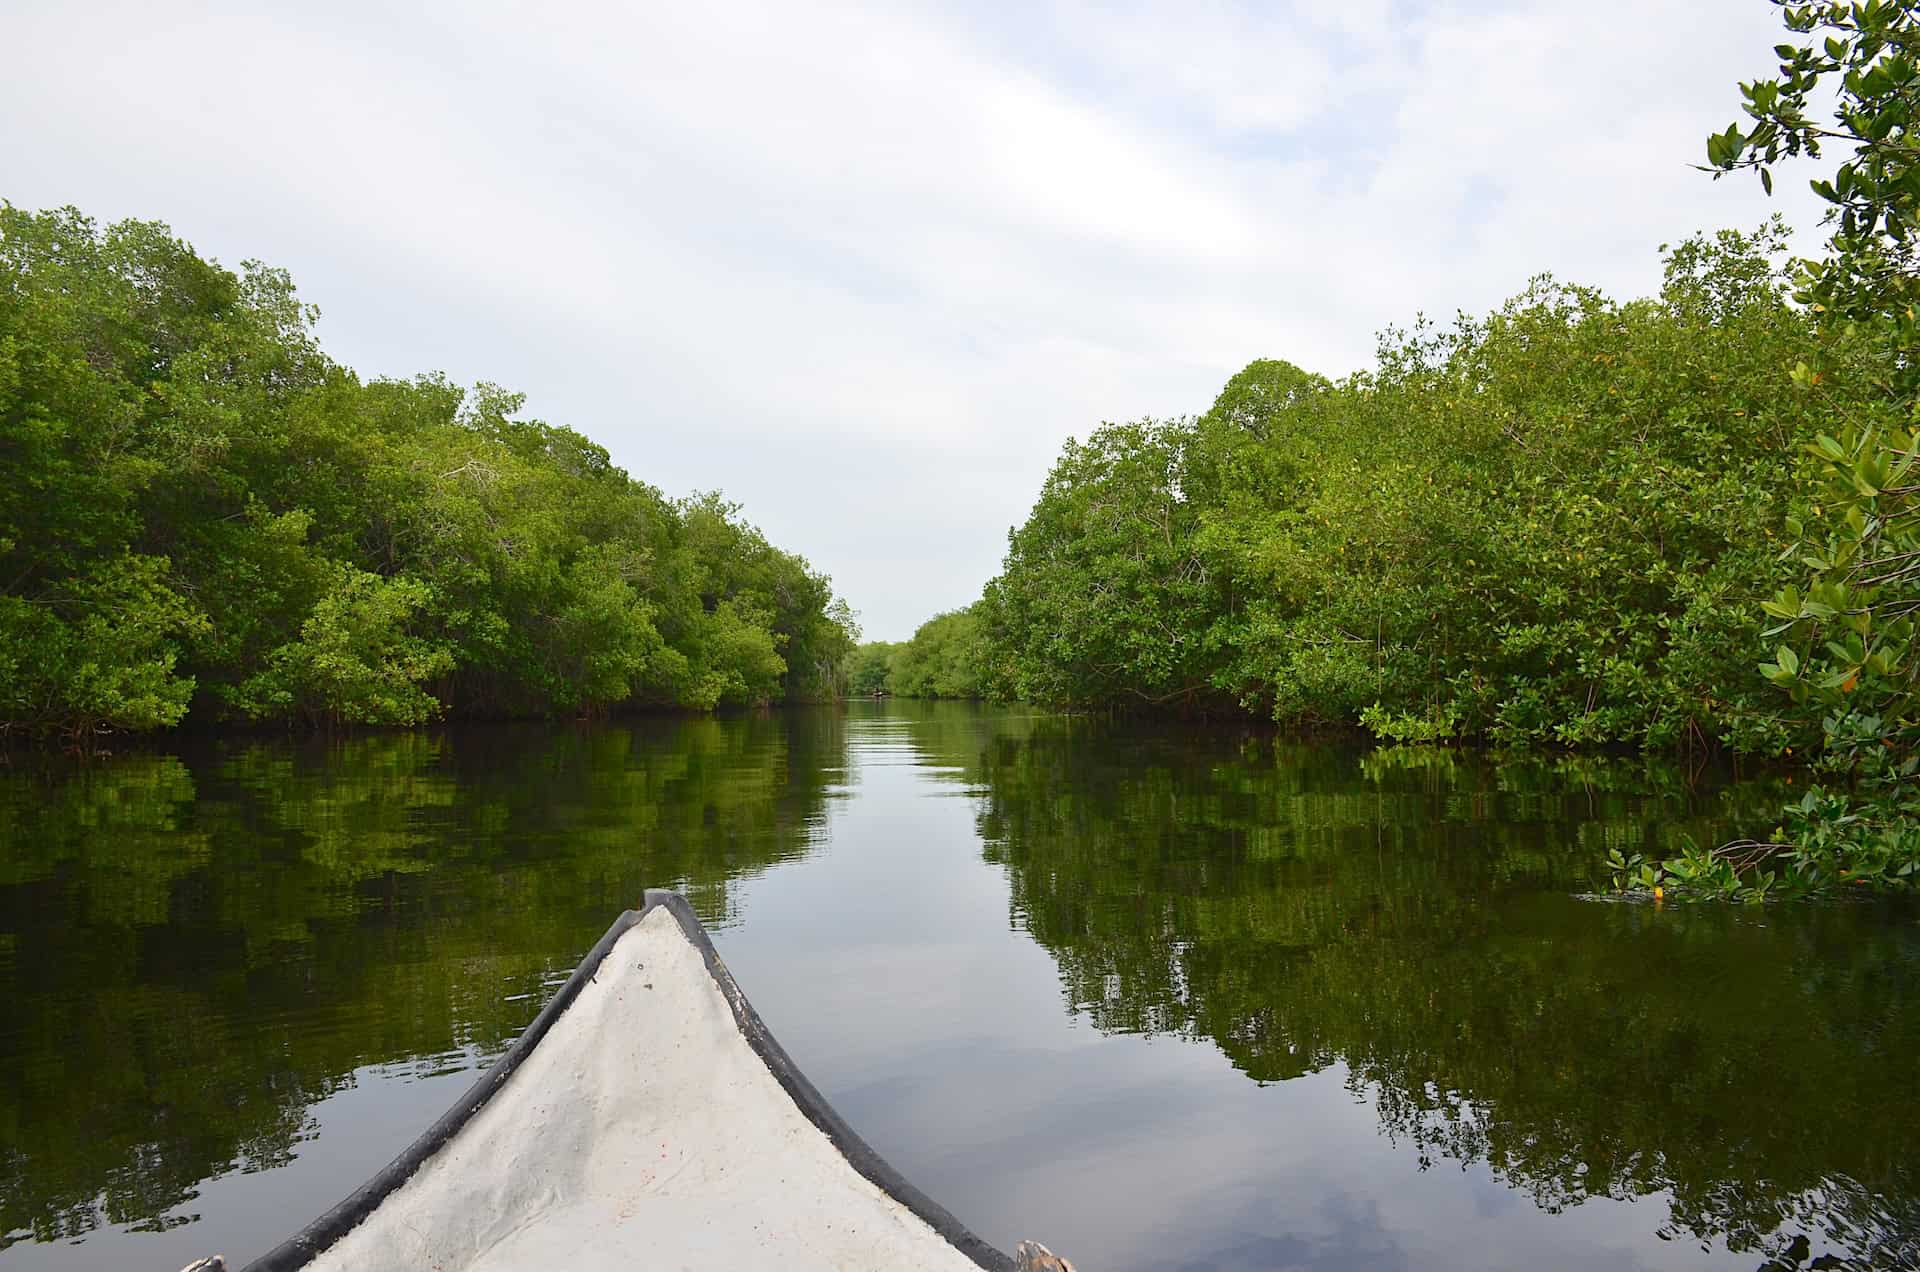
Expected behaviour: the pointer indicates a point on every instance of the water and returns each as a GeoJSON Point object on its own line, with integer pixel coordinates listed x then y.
{"type": "Point", "coordinates": [1170, 1000]}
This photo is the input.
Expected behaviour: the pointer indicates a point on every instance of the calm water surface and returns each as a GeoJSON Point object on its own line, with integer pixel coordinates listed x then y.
{"type": "Point", "coordinates": [1175, 1001]}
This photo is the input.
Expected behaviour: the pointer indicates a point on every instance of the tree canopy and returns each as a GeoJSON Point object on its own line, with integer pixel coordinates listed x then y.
{"type": "Point", "coordinates": [1550, 524]}
{"type": "Point", "coordinates": [206, 518]}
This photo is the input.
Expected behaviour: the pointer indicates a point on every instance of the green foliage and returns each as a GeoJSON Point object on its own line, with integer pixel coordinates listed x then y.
{"type": "Point", "coordinates": [737, 663]}
{"type": "Point", "coordinates": [358, 658]}
{"type": "Point", "coordinates": [1105, 596]}
{"type": "Point", "coordinates": [1842, 640]}
{"type": "Point", "coordinates": [1829, 840]}
{"type": "Point", "coordinates": [1439, 724]}
{"type": "Point", "coordinates": [1867, 56]}
{"type": "Point", "coordinates": [869, 666]}
{"type": "Point", "coordinates": [1847, 656]}
{"type": "Point", "coordinates": [98, 651]}
{"type": "Point", "coordinates": [205, 517]}
{"type": "Point", "coordinates": [1542, 526]}
{"type": "Point", "coordinates": [1549, 525]}
{"type": "Point", "coordinates": [945, 659]}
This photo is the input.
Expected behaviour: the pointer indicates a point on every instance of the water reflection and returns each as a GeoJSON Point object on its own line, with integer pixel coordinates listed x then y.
{"type": "Point", "coordinates": [1411, 918]}
{"type": "Point", "coordinates": [197, 948]}
{"type": "Point", "coordinates": [221, 959]}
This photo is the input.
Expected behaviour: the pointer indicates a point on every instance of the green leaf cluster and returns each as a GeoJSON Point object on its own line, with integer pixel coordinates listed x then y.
{"type": "Point", "coordinates": [1841, 639]}
{"type": "Point", "coordinates": [1545, 525]}
{"type": "Point", "coordinates": [206, 518]}
{"type": "Point", "coordinates": [1861, 62]}
{"type": "Point", "coordinates": [1106, 597]}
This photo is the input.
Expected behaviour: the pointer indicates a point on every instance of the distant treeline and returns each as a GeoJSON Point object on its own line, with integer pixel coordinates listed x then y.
{"type": "Point", "coordinates": [1551, 524]}
{"type": "Point", "coordinates": [204, 518]}
{"type": "Point", "coordinates": [945, 659]}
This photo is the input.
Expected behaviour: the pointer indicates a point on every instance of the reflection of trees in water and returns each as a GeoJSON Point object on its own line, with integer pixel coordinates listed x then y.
{"type": "Point", "coordinates": [196, 948]}
{"type": "Point", "coordinates": [1412, 918]}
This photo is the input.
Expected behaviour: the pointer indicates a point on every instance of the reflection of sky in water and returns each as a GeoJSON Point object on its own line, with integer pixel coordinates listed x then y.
{"type": "Point", "coordinates": [245, 1213]}
{"type": "Point", "coordinates": [842, 866]}
{"type": "Point", "coordinates": [888, 969]}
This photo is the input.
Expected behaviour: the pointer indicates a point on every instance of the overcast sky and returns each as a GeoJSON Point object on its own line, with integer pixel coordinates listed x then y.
{"type": "Point", "coordinates": [864, 269]}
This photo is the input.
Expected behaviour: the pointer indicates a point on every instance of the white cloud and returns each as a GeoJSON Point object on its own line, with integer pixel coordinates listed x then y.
{"type": "Point", "coordinates": [865, 267]}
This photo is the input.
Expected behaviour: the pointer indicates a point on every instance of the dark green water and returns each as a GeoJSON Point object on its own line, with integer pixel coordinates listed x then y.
{"type": "Point", "coordinates": [1170, 1001]}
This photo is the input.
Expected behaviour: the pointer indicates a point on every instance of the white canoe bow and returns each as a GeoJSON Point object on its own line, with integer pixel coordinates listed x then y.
{"type": "Point", "coordinates": [645, 1119]}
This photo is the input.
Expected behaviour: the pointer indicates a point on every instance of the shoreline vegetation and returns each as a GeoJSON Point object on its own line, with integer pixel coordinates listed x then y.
{"type": "Point", "coordinates": [208, 521]}
{"type": "Point", "coordinates": [1549, 526]}
{"type": "Point", "coordinates": [1689, 522]}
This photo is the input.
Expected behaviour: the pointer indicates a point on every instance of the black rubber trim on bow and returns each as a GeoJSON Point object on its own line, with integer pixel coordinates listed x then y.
{"type": "Point", "coordinates": [303, 1247]}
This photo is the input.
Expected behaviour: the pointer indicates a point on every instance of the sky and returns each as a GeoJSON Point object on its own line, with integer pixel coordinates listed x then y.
{"type": "Point", "coordinates": [864, 269]}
